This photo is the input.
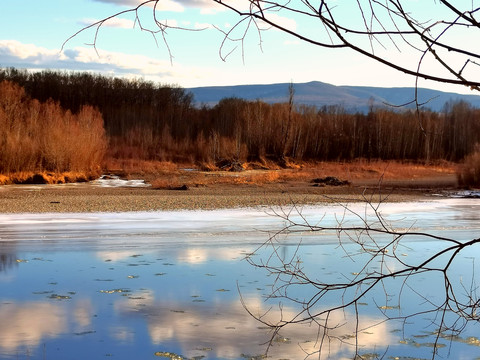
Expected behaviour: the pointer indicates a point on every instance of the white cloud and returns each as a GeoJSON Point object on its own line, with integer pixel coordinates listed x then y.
{"type": "Point", "coordinates": [130, 3]}
{"type": "Point", "coordinates": [113, 22]}
{"type": "Point", "coordinates": [119, 61]}
{"type": "Point", "coordinates": [292, 42]}
{"type": "Point", "coordinates": [282, 21]}
{"type": "Point", "coordinates": [201, 26]}
{"type": "Point", "coordinates": [121, 64]}
{"type": "Point", "coordinates": [163, 5]}
{"type": "Point", "coordinates": [207, 6]}
{"type": "Point", "coordinates": [170, 22]}
{"type": "Point", "coordinates": [169, 5]}
{"type": "Point", "coordinates": [16, 54]}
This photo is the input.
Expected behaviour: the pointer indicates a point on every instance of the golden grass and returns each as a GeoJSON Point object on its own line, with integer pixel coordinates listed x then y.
{"type": "Point", "coordinates": [168, 175]}
{"type": "Point", "coordinates": [132, 167]}
{"type": "Point", "coordinates": [27, 177]}
{"type": "Point", "coordinates": [468, 173]}
{"type": "Point", "coordinates": [212, 178]}
{"type": "Point", "coordinates": [363, 170]}
{"type": "Point", "coordinates": [359, 170]}
{"type": "Point", "coordinates": [4, 180]}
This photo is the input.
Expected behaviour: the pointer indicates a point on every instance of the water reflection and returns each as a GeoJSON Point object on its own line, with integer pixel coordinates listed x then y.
{"type": "Point", "coordinates": [7, 261]}
{"type": "Point", "coordinates": [224, 328]}
{"type": "Point", "coordinates": [28, 324]}
{"type": "Point", "coordinates": [188, 255]}
{"type": "Point", "coordinates": [131, 285]}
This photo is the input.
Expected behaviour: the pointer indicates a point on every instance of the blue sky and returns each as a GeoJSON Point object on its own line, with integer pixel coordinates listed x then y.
{"type": "Point", "coordinates": [33, 31]}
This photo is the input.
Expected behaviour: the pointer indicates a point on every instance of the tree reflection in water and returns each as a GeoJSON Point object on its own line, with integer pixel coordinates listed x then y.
{"type": "Point", "coordinates": [412, 277]}
{"type": "Point", "coordinates": [133, 285]}
{"type": "Point", "coordinates": [7, 260]}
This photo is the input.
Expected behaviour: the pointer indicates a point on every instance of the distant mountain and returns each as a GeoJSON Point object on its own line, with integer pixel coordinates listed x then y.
{"type": "Point", "coordinates": [352, 98]}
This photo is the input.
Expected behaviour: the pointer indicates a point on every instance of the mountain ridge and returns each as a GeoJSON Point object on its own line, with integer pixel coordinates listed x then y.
{"type": "Point", "coordinates": [319, 94]}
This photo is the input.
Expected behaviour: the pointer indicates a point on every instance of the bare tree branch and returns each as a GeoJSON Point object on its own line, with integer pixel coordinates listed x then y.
{"type": "Point", "coordinates": [391, 20]}
{"type": "Point", "coordinates": [371, 247]}
{"type": "Point", "coordinates": [386, 31]}
{"type": "Point", "coordinates": [161, 27]}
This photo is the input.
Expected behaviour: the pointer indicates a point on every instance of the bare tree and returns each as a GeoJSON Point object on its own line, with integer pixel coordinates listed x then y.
{"type": "Point", "coordinates": [389, 32]}
{"type": "Point", "coordinates": [383, 274]}
{"type": "Point", "coordinates": [158, 29]}
{"type": "Point", "coordinates": [381, 30]}
{"type": "Point", "coordinates": [438, 45]}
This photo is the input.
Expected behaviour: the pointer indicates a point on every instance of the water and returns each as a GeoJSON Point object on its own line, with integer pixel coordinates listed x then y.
{"type": "Point", "coordinates": [163, 284]}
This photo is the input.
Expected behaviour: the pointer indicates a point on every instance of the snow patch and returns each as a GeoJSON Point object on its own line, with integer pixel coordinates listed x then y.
{"type": "Point", "coordinates": [116, 181]}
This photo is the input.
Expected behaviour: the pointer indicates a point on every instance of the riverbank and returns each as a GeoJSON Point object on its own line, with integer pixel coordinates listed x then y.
{"type": "Point", "coordinates": [88, 197]}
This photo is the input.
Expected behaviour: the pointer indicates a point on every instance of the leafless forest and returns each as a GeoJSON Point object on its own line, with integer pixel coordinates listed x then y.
{"type": "Point", "coordinates": [71, 121]}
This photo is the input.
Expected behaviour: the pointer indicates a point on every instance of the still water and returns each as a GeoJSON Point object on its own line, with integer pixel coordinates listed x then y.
{"type": "Point", "coordinates": [157, 285]}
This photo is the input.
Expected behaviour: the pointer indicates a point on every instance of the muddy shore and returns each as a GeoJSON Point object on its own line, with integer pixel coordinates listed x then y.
{"type": "Point", "coordinates": [91, 198]}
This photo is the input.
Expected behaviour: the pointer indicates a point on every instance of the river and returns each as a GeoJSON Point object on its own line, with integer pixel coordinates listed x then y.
{"type": "Point", "coordinates": [149, 285]}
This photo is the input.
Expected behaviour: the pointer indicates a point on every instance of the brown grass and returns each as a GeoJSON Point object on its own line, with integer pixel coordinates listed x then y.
{"type": "Point", "coordinates": [135, 167]}
{"type": "Point", "coordinates": [28, 177]}
{"type": "Point", "coordinates": [168, 175]}
{"type": "Point", "coordinates": [364, 170]}
{"type": "Point", "coordinates": [468, 173]}
{"type": "Point", "coordinates": [355, 171]}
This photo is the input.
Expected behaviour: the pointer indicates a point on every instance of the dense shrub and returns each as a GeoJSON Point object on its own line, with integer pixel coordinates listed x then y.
{"type": "Point", "coordinates": [37, 136]}
{"type": "Point", "coordinates": [469, 171]}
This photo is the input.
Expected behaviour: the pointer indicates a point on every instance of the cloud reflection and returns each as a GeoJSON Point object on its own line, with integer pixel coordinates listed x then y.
{"type": "Point", "coordinates": [122, 334]}
{"type": "Point", "coordinates": [83, 313]}
{"type": "Point", "coordinates": [115, 255]}
{"type": "Point", "coordinates": [28, 323]}
{"type": "Point", "coordinates": [199, 255]}
{"type": "Point", "coordinates": [189, 255]}
{"type": "Point", "coordinates": [227, 329]}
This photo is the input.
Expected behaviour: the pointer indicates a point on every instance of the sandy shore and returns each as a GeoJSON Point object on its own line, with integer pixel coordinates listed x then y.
{"type": "Point", "coordinates": [90, 198]}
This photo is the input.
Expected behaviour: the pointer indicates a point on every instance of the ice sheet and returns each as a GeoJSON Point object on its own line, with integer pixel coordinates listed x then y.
{"type": "Point", "coordinates": [232, 225]}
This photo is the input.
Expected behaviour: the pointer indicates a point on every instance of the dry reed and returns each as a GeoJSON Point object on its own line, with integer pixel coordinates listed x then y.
{"type": "Point", "coordinates": [42, 137]}
{"type": "Point", "coordinates": [468, 173]}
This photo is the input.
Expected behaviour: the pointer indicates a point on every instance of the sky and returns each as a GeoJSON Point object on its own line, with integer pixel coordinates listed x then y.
{"type": "Point", "coordinates": [33, 35]}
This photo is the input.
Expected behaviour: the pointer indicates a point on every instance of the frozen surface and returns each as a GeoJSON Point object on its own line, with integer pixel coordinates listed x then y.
{"type": "Point", "coordinates": [218, 227]}
{"type": "Point", "coordinates": [132, 285]}
{"type": "Point", "coordinates": [116, 181]}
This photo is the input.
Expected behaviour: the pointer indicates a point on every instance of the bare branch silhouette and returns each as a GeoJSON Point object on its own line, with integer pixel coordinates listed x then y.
{"type": "Point", "coordinates": [424, 46]}
{"type": "Point", "coordinates": [383, 274]}
{"type": "Point", "coordinates": [160, 27]}
{"type": "Point", "coordinates": [379, 30]}
{"type": "Point", "coordinates": [381, 26]}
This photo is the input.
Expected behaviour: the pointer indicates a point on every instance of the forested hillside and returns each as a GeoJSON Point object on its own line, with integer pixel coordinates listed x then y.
{"type": "Point", "coordinates": [352, 98]}
{"type": "Point", "coordinates": [145, 120]}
